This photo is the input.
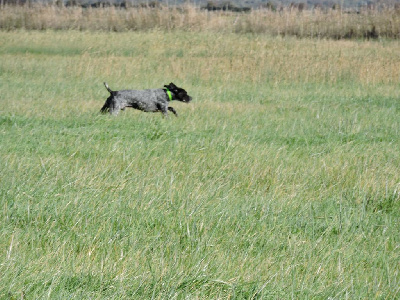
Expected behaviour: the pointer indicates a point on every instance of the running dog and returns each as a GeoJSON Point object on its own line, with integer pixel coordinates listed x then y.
{"type": "Point", "coordinates": [153, 100]}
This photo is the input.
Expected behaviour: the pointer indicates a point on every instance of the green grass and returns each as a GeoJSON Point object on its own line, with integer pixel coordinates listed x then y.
{"type": "Point", "coordinates": [280, 180]}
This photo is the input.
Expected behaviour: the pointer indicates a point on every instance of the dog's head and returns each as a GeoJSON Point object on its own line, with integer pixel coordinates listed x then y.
{"type": "Point", "coordinates": [180, 94]}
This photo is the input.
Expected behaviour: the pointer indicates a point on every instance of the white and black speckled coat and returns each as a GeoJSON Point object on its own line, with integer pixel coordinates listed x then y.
{"type": "Point", "coordinates": [152, 100]}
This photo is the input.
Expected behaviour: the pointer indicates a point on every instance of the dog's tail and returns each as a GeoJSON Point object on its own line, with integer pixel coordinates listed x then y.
{"type": "Point", "coordinates": [108, 89]}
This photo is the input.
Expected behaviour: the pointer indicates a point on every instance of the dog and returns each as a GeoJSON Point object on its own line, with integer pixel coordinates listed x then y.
{"type": "Point", "coordinates": [152, 100]}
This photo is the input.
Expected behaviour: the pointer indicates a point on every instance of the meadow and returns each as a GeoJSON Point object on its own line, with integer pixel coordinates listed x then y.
{"type": "Point", "coordinates": [280, 180]}
{"type": "Point", "coordinates": [361, 23]}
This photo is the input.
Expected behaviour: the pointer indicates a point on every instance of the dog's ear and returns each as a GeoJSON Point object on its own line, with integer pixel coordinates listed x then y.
{"type": "Point", "coordinates": [173, 86]}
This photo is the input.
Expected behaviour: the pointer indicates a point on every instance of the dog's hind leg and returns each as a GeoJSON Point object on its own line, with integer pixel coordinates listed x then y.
{"type": "Point", "coordinates": [106, 106]}
{"type": "Point", "coordinates": [104, 109]}
{"type": "Point", "coordinates": [114, 109]}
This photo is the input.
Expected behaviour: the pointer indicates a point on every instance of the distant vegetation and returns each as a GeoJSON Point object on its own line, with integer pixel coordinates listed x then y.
{"type": "Point", "coordinates": [298, 20]}
{"type": "Point", "coordinates": [234, 4]}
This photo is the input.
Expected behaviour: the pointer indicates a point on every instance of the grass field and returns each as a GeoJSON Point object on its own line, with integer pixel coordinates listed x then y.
{"type": "Point", "coordinates": [279, 181]}
{"type": "Point", "coordinates": [312, 23]}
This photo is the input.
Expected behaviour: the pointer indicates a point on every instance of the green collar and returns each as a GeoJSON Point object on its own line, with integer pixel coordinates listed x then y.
{"type": "Point", "coordinates": [169, 95]}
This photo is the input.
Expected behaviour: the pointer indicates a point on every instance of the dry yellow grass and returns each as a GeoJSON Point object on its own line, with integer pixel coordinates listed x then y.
{"type": "Point", "coordinates": [312, 23]}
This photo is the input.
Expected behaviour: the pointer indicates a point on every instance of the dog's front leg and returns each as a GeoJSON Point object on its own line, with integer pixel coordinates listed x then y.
{"type": "Point", "coordinates": [163, 108]}
{"type": "Point", "coordinates": [173, 111]}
